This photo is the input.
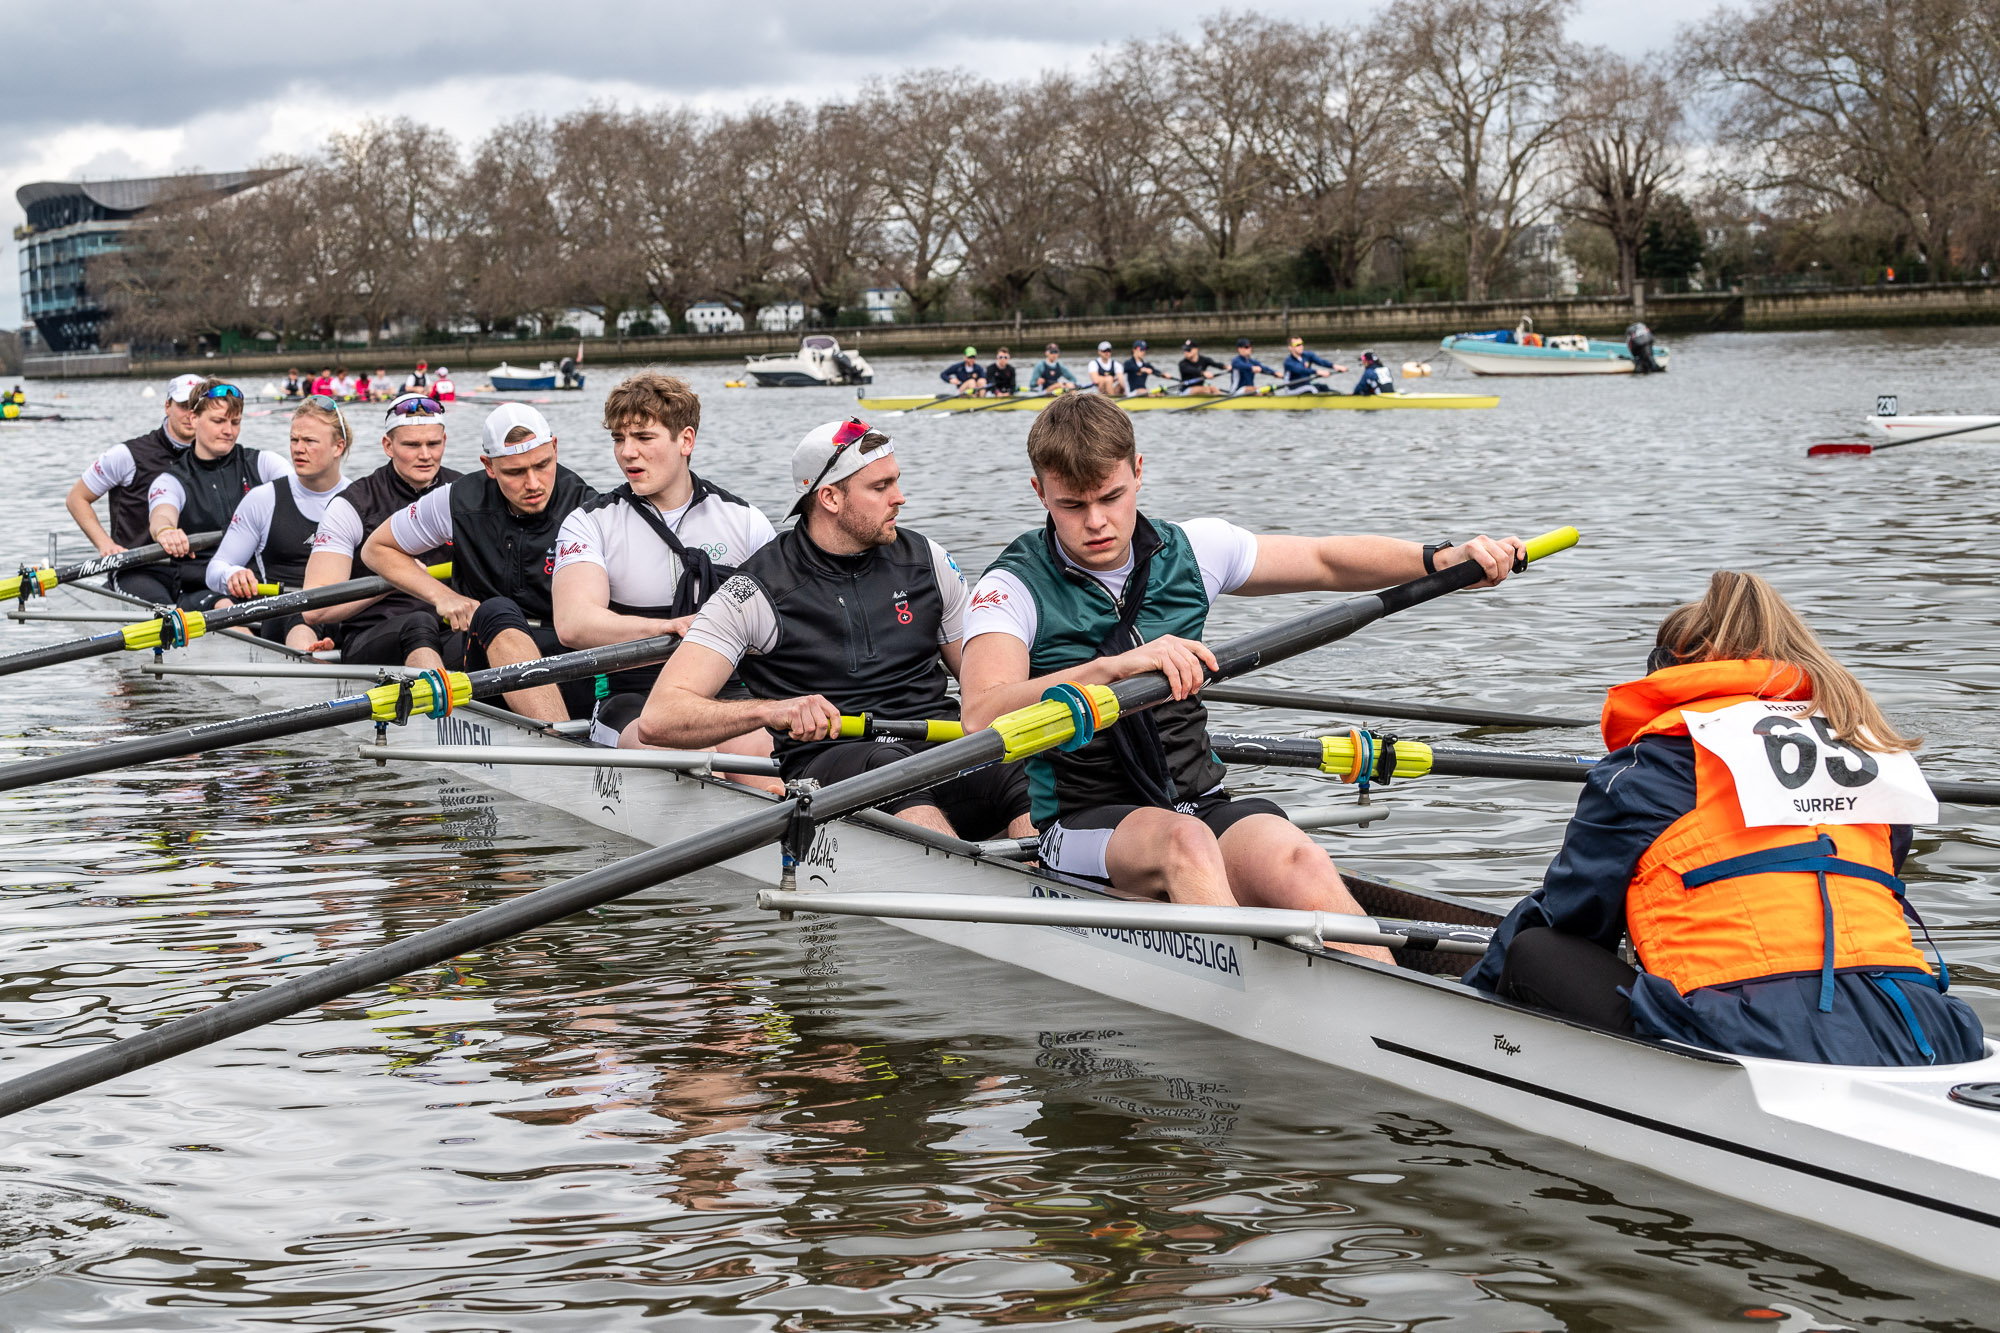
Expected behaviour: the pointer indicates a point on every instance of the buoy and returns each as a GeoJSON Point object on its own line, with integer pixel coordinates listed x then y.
{"type": "Point", "coordinates": [1416, 370]}
{"type": "Point", "coordinates": [735, 384]}
{"type": "Point", "coordinates": [146, 392]}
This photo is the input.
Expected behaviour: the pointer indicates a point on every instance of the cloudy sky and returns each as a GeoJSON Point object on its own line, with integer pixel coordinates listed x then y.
{"type": "Point", "coordinates": [142, 88]}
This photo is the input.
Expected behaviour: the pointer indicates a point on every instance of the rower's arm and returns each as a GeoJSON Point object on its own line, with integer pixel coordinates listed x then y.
{"type": "Point", "coordinates": [1363, 563]}
{"type": "Point", "coordinates": [383, 554]}
{"type": "Point", "coordinates": [584, 618]}
{"type": "Point", "coordinates": [682, 712]}
{"type": "Point", "coordinates": [81, 503]}
{"type": "Point", "coordinates": [994, 678]}
{"type": "Point", "coordinates": [322, 568]}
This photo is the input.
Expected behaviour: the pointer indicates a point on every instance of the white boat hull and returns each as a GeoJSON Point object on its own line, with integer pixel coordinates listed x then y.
{"type": "Point", "coordinates": [1885, 1154]}
{"type": "Point", "coordinates": [1907, 428]}
{"type": "Point", "coordinates": [1483, 357]}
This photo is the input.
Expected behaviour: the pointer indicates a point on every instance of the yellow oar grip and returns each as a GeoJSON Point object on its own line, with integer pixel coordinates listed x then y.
{"type": "Point", "coordinates": [11, 585]}
{"type": "Point", "coordinates": [146, 634]}
{"type": "Point", "coordinates": [939, 729]}
{"type": "Point", "coordinates": [443, 571]}
{"type": "Point", "coordinates": [1045, 725]}
{"type": "Point", "coordinates": [268, 590]}
{"type": "Point", "coordinates": [1413, 758]}
{"type": "Point", "coordinates": [382, 699]}
{"type": "Point", "coordinates": [1551, 542]}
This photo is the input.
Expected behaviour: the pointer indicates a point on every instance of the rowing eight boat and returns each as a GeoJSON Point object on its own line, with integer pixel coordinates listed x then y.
{"type": "Point", "coordinates": [1249, 402]}
{"type": "Point", "coordinates": [1906, 1157]}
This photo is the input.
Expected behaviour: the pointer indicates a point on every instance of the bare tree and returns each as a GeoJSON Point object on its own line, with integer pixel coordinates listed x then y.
{"type": "Point", "coordinates": [743, 177]}
{"type": "Point", "coordinates": [674, 208]}
{"type": "Point", "coordinates": [1486, 78]}
{"type": "Point", "coordinates": [1121, 223]}
{"type": "Point", "coordinates": [597, 212]}
{"type": "Point", "coordinates": [509, 254]}
{"type": "Point", "coordinates": [1622, 136]}
{"type": "Point", "coordinates": [1011, 207]}
{"type": "Point", "coordinates": [920, 126]}
{"type": "Point", "coordinates": [834, 213]}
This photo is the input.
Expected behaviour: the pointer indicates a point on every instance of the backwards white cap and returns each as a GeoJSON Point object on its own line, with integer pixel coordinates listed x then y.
{"type": "Point", "coordinates": [180, 389]}
{"type": "Point", "coordinates": [502, 420]}
{"type": "Point", "coordinates": [834, 452]}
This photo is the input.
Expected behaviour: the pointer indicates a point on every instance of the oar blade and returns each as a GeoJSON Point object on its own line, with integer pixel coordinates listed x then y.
{"type": "Point", "coordinates": [1832, 447]}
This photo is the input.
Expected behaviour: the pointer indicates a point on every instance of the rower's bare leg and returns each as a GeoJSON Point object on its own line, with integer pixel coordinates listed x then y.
{"type": "Point", "coordinates": [928, 816]}
{"type": "Point", "coordinates": [1273, 863]}
{"type": "Point", "coordinates": [1021, 827]}
{"type": "Point", "coordinates": [306, 639]}
{"type": "Point", "coordinates": [424, 659]}
{"type": "Point", "coordinates": [1169, 855]}
{"type": "Point", "coordinates": [544, 703]}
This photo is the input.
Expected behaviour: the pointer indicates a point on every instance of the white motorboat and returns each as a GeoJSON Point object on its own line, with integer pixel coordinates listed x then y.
{"type": "Point", "coordinates": [818, 362]}
{"type": "Point", "coordinates": [1521, 351]}
{"type": "Point", "coordinates": [1908, 1158]}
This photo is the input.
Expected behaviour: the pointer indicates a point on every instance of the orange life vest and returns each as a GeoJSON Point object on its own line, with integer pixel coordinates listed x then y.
{"type": "Point", "coordinates": [1713, 901]}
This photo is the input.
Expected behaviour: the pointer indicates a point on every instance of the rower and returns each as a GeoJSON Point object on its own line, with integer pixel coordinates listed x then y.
{"type": "Point", "coordinates": [1000, 376]}
{"type": "Point", "coordinates": [964, 376]}
{"type": "Point", "coordinates": [1100, 594]}
{"type": "Point", "coordinates": [1374, 376]}
{"type": "Point", "coordinates": [204, 486]}
{"type": "Point", "coordinates": [125, 472]}
{"type": "Point", "coordinates": [640, 561]}
{"type": "Point", "coordinates": [295, 385]}
{"type": "Point", "coordinates": [1197, 370]}
{"type": "Point", "coordinates": [843, 613]}
{"type": "Point", "coordinates": [1050, 373]}
{"type": "Point", "coordinates": [1303, 367]}
{"type": "Point", "coordinates": [270, 537]}
{"type": "Point", "coordinates": [418, 380]}
{"type": "Point", "coordinates": [501, 524]}
{"type": "Point", "coordinates": [394, 629]}
{"type": "Point", "coordinates": [1138, 370]}
{"type": "Point", "coordinates": [1104, 372]}
{"type": "Point", "coordinates": [323, 382]}
{"type": "Point", "coordinates": [1746, 830]}
{"type": "Point", "coordinates": [1245, 369]}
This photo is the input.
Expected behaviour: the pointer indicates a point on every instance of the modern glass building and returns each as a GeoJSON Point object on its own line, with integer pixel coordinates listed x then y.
{"type": "Point", "coordinates": [72, 222]}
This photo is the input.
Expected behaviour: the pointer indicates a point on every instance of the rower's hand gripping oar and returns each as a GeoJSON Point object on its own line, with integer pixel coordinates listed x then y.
{"type": "Point", "coordinates": [177, 628]}
{"type": "Point", "coordinates": [34, 582]}
{"type": "Point", "coordinates": [1053, 722]}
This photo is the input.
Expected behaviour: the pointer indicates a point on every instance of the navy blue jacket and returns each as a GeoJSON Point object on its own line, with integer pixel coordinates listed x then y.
{"type": "Point", "coordinates": [1630, 798]}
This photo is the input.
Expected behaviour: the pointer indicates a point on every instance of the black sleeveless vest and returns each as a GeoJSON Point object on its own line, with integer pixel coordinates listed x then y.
{"type": "Point", "coordinates": [214, 488]}
{"type": "Point", "coordinates": [498, 553]}
{"type": "Point", "coordinates": [288, 545]}
{"type": "Point", "coordinates": [152, 453]}
{"type": "Point", "coordinates": [375, 497]}
{"type": "Point", "coordinates": [861, 630]}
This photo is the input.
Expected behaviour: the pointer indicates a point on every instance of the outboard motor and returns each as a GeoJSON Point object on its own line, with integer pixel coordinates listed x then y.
{"type": "Point", "coordinates": [1639, 342]}
{"type": "Point", "coordinates": [843, 366]}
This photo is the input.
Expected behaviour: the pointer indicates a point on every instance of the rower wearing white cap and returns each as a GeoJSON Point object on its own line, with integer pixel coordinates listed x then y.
{"type": "Point", "coordinates": [1105, 371]}
{"type": "Point", "coordinates": [125, 472]}
{"type": "Point", "coordinates": [501, 524]}
{"type": "Point", "coordinates": [845, 613]}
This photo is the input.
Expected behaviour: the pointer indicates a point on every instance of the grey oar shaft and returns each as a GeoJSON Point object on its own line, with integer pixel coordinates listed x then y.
{"type": "Point", "coordinates": [1361, 706]}
{"type": "Point", "coordinates": [672, 761]}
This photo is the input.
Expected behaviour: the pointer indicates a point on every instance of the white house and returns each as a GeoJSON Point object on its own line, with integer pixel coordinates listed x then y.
{"type": "Point", "coordinates": [884, 304]}
{"type": "Point", "coordinates": [714, 317]}
{"type": "Point", "coordinates": [781, 316]}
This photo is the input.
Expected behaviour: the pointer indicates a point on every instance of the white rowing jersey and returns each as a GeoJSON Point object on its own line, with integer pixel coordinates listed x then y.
{"type": "Point", "coordinates": [608, 531]}
{"type": "Point", "coordinates": [1002, 604]}
{"type": "Point", "coordinates": [167, 488]}
{"type": "Point", "coordinates": [340, 529]}
{"type": "Point", "coordinates": [249, 529]}
{"type": "Point", "coordinates": [116, 467]}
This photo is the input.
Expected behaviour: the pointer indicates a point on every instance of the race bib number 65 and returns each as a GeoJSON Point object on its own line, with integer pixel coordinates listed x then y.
{"type": "Point", "coordinates": [1791, 769]}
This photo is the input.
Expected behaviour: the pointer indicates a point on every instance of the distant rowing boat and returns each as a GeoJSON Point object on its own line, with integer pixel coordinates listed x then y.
{"type": "Point", "coordinates": [1248, 402]}
{"type": "Point", "coordinates": [1966, 429]}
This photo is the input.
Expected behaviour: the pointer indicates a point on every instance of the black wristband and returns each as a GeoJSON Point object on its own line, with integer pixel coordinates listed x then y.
{"type": "Point", "coordinates": [1430, 554]}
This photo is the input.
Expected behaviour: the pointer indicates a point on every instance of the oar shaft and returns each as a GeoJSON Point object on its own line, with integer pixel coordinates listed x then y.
{"type": "Point", "coordinates": [1361, 706]}
{"type": "Point", "coordinates": [104, 564]}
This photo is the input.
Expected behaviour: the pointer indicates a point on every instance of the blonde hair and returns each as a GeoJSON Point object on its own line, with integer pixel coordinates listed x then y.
{"type": "Point", "coordinates": [1742, 618]}
{"type": "Point", "coordinates": [328, 416]}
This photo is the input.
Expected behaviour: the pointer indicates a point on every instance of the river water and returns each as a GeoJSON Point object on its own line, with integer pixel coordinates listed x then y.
{"type": "Point", "coordinates": [676, 1110]}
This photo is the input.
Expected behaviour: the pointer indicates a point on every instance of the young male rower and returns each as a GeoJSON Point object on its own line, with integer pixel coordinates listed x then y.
{"type": "Point", "coordinates": [1102, 593]}
{"type": "Point", "coordinates": [1245, 368]}
{"type": "Point", "coordinates": [1104, 371]}
{"type": "Point", "coordinates": [641, 560]}
{"type": "Point", "coordinates": [501, 524]}
{"type": "Point", "coordinates": [1197, 370]}
{"type": "Point", "coordinates": [844, 613]}
{"type": "Point", "coordinates": [270, 536]}
{"type": "Point", "coordinates": [1000, 376]}
{"type": "Point", "coordinates": [394, 629]}
{"type": "Point", "coordinates": [1138, 370]}
{"type": "Point", "coordinates": [201, 489]}
{"type": "Point", "coordinates": [1050, 373]}
{"type": "Point", "coordinates": [965, 376]}
{"type": "Point", "coordinates": [125, 472]}
{"type": "Point", "coordinates": [1302, 367]}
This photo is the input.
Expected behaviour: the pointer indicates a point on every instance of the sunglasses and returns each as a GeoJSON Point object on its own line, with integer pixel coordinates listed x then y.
{"type": "Point", "coordinates": [851, 432]}
{"type": "Point", "coordinates": [224, 391]}
{"type": "Point", "coordinates": [416, 407]}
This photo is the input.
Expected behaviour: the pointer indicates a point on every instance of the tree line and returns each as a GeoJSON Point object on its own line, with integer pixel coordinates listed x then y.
{"type": "Point", "coordinates": [1462, 148]}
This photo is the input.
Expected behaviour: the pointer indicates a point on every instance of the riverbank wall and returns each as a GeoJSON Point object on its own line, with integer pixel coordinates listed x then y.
{"type": "Point", "coordinates": [1940, 304]}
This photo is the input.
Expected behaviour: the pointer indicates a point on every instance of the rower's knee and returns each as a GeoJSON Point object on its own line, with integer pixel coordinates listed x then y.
{"type": "Point", "coordinates": [1188, 847]}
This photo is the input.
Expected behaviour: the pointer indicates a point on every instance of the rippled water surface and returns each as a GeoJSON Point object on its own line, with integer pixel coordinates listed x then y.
{"type": "Point", "coordinates": [677, 1109]}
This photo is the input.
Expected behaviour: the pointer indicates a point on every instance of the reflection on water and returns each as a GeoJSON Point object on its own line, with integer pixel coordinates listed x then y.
{"type": "Point", "coordinates": [676, 1108]}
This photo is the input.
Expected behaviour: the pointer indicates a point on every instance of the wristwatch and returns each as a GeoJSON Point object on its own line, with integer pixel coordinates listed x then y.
{"type": "Point", "coordinates": [1430, 554]}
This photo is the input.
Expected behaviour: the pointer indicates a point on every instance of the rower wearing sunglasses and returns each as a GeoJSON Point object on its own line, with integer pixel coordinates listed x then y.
{"type": "Point", "coordinates": [270, 537]}
{"type": "Point", "coordinates": [200, 491]}
{"type": "Point", "coordinates": [501, 524]}
{"type": "Point", "coordinates": [396, 629]}
{"type": "Point", "coordinates": [844, 613]}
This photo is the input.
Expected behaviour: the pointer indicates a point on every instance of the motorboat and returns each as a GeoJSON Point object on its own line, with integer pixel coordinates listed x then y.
{"type": "Point", "coordinates": [818, 362]}
{"type": "Point", "coordinates": [551, 375]}
{"type": "Point", "coordinates": [1522, 351]}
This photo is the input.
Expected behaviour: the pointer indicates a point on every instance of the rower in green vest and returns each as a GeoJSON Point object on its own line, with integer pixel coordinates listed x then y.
{"type": "Point", "coordinates": [1102, 593]}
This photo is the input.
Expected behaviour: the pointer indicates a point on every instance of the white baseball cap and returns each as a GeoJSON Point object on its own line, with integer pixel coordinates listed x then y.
{"type": "Point", "coordinates": [180, 389]}
{"type": "Point", "coordinates": [834, 452]}
{"type": "Point", "coordinates": [502, 419]}
{"type": "Point", "coordinates": [1104, 347]}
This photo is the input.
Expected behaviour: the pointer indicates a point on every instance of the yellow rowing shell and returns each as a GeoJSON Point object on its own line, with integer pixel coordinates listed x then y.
{"type": "Point", "coordinates": [1291, 402]}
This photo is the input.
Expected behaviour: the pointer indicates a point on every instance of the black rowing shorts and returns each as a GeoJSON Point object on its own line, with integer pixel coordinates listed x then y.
{"type": "Point", "coordinates": [1075, 843]}
{"type": "Point", "coordinates": [979, 805]}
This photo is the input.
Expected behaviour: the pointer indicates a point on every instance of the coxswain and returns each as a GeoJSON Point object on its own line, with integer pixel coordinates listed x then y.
{"type": "Point", "coordinates": [200, 490]}
{"type": "Point", "coordinates": [126, 472]}
{"type": "Point", "coordinates": [1137, 370]}
{"type": "Point", "coordinates": [1101, 593]}
{"type": "Point", "coordinates": [296, 385]}
{"type": "Point", "coordinates": [501, 524]}
{"type": "Point", "coordinates": [1245, 368]}
{"type": "Point", "coordinates": [964, 376]}
{"type": "Point", "coordinates": [640, 560]}
{"type": "Point", "coordinates": [1374, 376]}
{"type": "Point", "coordinates": [1197, 370]}
{"type": "Point", "coordinates": [1104, 372]}
{"type": "Point", "coordinates": [1746, 830]}
{"type": "Point", "coordinates": [394, 629]}
{"type": "Point", "coordinates": [1050, 373]}
{"type": "Point", "coordinates": [1303, 367]}
{"type": "Point", "coordinates": [270, 536]}
{"type": "Point", "coordinates": [1000, 375]}
{"type": "Point", "coordinates": [442, 388]}
{"type": "Point", "coordinates": [845, 613]}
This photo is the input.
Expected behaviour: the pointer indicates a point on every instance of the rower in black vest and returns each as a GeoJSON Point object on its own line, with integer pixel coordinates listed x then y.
{"type": "Point", "coordinates": [125, 472]}
{"type": "Point", "coordinates": [842, 614]}
{"type": "Point", "coordinates": [501, 525]}
{"type": "Point", "coordinates": [200, 492]}
{"type": "Point", "coordinates": [389, 630]}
